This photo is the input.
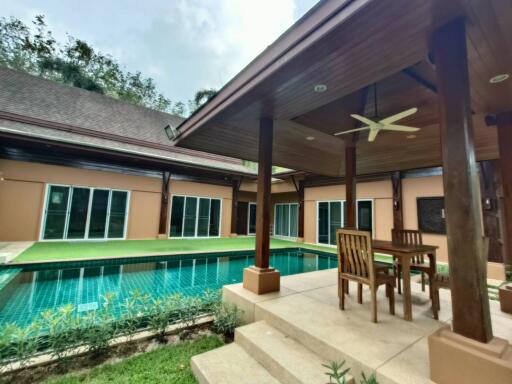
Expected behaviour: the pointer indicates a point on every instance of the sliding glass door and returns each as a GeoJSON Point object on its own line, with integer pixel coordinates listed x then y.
{"type": "Point", "coordinates": [286, 220]}
{"type": "Point", "coordinates": [81, 213]}
{"type": "Point", "coordinates": [195, 217]}
{"type": "Point", "coordinates": [251, 228]}
{"type": "Point", "coordinates": [331, 216]}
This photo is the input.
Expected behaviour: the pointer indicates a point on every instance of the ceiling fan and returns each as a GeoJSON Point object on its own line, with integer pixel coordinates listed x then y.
{"type": "Point", "coordinates": [375, 125]}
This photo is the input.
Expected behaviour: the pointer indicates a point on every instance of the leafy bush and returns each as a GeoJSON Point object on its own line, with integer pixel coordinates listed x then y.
{"type": "Point", "coordinates": [372, 379]}
{"type": "Point", "coordinates": [226, 318]}
{"type": "Point", "coordinates": [58, 331]}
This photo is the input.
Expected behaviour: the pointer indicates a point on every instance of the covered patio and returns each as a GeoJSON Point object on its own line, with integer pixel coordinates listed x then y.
{"type": "Point", "coordinates": [451, 62]}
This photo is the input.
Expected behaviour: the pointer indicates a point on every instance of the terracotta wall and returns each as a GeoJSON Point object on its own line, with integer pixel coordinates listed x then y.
{"type": "Point", "coordinates": [22, 197]}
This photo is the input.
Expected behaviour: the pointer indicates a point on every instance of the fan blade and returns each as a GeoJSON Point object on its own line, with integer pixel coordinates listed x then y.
{"type": "Point", "coordinates": [373, 134]}
{"type": "Point", "coordinates": [364, 120]}
{"type": "Point", "coordinates": [402, 128]}
{"type": "Point", "coordinates": [351, 130]}
{"type": "Point", "coordinates": [398, 116]}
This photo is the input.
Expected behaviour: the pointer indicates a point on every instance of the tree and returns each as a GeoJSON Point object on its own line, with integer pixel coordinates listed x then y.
{"type": "Point", "coordinates": [75, 62]}
{"type": "Point", "coordinates": [201, 97]}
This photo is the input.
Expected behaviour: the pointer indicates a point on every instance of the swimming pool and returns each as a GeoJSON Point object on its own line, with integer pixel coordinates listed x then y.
{"type": "Point", "coordinates": [27, 291]}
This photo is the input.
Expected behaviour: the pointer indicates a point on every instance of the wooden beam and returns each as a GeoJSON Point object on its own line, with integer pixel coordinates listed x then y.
{"type": "Point", "coordinates": [398, 216]}
{"type": "Point", "coordinates": [236, 183]}
{"type": "Point", "coordinates": [350, 186]}
{"type": "Point", "coordinates": [164, 204]}
{"type": "Point", "coordinates": [299, 187]}
{"type": "Point", "coordinates": [470, 301]}
{"type": "Point", "coordinates": [490, 183]}
{"type": "Point", "coordinates": [504, 123]}
{"type": "Point", "coordinates": [263, 203]}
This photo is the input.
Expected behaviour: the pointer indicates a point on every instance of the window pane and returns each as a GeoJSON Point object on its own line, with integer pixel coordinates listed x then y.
{"type": "Point", "coordinates": [294, 217]}
{"type": "Point", "coordinates": [323, 222]}
{"type": "Point", "coordinates": [286, 220]}
{"type": "Point", "coordinates": [178, 205]}
{"type": "Point", "coordinates": [98, 220]}
{"type": "Point", "coordinates": [278, 220]}
{"type": "Point", "coordinates": [252, 218]}
{"type": "Point", "coordinates": [364, 215]}
{"type": "Point", "coordinates": [78, 213]}
{"type": "Point", "coordinates": [203, 218]}
{"type": "Point", "coordinates": [56, 211]}
{"type": "Point", "coordinates": [335, 220]}
{"type": "Point", "coordinates": [190, 217]}
{"type": "Point", "coordinates": [117, 214]}
{"type": "Point", "coordinates": [215, 217]}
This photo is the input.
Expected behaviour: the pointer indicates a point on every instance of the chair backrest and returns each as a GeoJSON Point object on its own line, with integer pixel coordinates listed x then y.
{"type": "Point", "coordinates": [355, 253]}
{"type": "Point", "coordinates": [406, 237]}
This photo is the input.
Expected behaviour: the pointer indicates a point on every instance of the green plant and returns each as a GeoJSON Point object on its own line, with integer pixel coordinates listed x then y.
{"type": "Point", "coordinates": [132, 317]}
{"type": "Point", "coordinates": [24, 342]}
{"type": "Point", "coordinates": [226, 318]}
{"type": "Point", "coordinates": [372, 379]}
{"type": "Point", "coordinates": [336, 372]}
{"type": "Point", "coordinates": [99, 327]}
{"type": "Point", "coordinates": [61, 329]}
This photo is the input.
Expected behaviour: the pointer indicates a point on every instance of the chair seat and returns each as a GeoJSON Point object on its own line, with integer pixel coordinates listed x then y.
{"type": "Point", "coordinates": [385, 278]}
{"type": "Point", "coordinates": [381, 266]}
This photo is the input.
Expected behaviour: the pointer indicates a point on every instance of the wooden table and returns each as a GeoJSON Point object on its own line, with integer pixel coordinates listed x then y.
{"type": "Point", "coordinates": [405, 254]}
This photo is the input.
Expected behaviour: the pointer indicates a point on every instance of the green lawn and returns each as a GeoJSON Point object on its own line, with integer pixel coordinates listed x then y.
{"type": "Point", "coordinates": [170, 365]}
{"type": "Point", "coordinates": [77, 250]}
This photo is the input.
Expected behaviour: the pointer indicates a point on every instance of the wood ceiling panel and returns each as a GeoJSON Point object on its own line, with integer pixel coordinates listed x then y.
{"type": "Point", "coordinates": [373, 44]}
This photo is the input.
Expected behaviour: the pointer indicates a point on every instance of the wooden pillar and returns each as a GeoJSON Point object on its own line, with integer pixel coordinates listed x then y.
{"type": "Point", "coordinates": [236, 183]}
{"type": "Point", "coordinates": [470, 302]}
{"type": "Point", "coordinates": [299, 187]}
{"type": "Point", "coordinates": [398, 215]}
{"type": "Point", "coordinates": [504, 122]}
{"type": "Point", "coordinates": [490, 182]}
{"type": "Point", "coordinates": [350, 185]}
{"type": "Point", "coordinates": [164, 205]}
{"type": "Point", "coordinates": [261, 278]}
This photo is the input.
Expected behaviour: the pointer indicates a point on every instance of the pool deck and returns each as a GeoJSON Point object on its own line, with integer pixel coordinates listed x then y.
{"type": "Point", "coordinates": [304, 319]}
{"type": "Point", "coordinates": [12, 249]}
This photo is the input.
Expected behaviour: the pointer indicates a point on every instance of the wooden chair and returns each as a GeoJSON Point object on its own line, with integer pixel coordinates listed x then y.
{"type": "Point", "coordinates": [442, 280]}
{"type": "Point", "coordinates": [356, 263]}
{"type": "Point", "coordinates": [411, 237]}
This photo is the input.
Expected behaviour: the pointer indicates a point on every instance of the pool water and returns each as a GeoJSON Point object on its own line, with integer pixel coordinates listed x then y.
{"type": "Point", "coordinates": [35, 288]}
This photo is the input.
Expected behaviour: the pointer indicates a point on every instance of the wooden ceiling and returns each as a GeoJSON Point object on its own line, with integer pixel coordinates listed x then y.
{"type": "Point", "coordinates": [349, 46]}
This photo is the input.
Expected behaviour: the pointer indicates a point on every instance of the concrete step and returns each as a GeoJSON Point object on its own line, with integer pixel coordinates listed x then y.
{"type": "Point", "coordinates": [286, 359]}
{"type": "Point", "coordinates": [230, 364]}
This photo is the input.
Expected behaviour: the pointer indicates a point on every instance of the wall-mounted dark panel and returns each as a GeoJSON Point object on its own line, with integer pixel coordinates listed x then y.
{"type": "Point", "coordinates": [431, 218]}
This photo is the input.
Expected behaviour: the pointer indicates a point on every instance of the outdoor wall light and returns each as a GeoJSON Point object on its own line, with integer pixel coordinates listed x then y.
{"type": "Point", "coordinates": [170, 132]}
{"type": "Point", "coordinates": [319, 88]}
{"type": "Point", "coordinates": [499, 78]}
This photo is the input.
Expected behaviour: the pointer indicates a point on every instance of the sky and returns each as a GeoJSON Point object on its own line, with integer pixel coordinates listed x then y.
{"type": "Point", "coordinates": [184, 45]}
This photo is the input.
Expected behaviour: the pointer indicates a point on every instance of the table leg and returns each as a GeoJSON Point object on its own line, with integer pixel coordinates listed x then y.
{"type": "Point", "coordinates": [406, 288]}
{"type": "Point", "coordinates": [433, 269]}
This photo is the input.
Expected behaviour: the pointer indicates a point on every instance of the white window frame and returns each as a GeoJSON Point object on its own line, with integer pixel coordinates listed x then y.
{"type": "Point", "coordinates": [289, 220]}
{"type": "Point", "coordinates": [317, 242]}
{"type": "Point", "coordinates": [249, 219]}
{"type": "Point", "coordinates": [197, 217]}
{"type": "Point", "coordinates": [71, 187]}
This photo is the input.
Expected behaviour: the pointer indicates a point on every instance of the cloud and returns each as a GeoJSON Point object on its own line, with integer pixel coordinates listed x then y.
{"type": "Point", "coordinates": [185, 45]}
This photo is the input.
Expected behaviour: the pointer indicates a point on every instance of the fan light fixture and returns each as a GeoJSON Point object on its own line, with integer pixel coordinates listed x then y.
{"type": "Point", "coordinates": [499, 78]}
{"type": "Point", "coordinates": [377, 124]}
{"type": "Point", "coordinates": [310, 138]}
{"type": "Point", "coordinates": [319, 88]}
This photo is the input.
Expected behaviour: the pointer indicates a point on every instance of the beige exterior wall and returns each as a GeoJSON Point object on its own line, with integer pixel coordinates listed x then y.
{"type": "Point", "coordinates": [23, 186]}
{"type": "Point", "coordinates": [381, 192]}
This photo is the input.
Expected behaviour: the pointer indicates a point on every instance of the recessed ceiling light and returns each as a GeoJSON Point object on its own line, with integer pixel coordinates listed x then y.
{"type": "Point", "coordinates": [411, 136]}
{"type": "Point", "coordinates": [319, 88]}
{"type": "Point", "coordinates": [499, 78]}
{"type": "Point", "coordinates": [310, 138]}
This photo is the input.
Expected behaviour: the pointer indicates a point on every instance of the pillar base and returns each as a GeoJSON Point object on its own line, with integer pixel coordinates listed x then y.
{"type": "Point", "coordinates": [233, 235]}
{"type": "Point", "coordinates": [505, 293]}
{"type": "Point", "coordinates": [162, 236]}
{"type": "Point", "coordinates": [458, 359]}
{"type": "Point", "coordinates": [261, 280]}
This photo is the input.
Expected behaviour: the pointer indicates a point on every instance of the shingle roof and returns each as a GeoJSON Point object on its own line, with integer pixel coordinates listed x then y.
{"type": "Point", "coordinates": [37, 98]}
